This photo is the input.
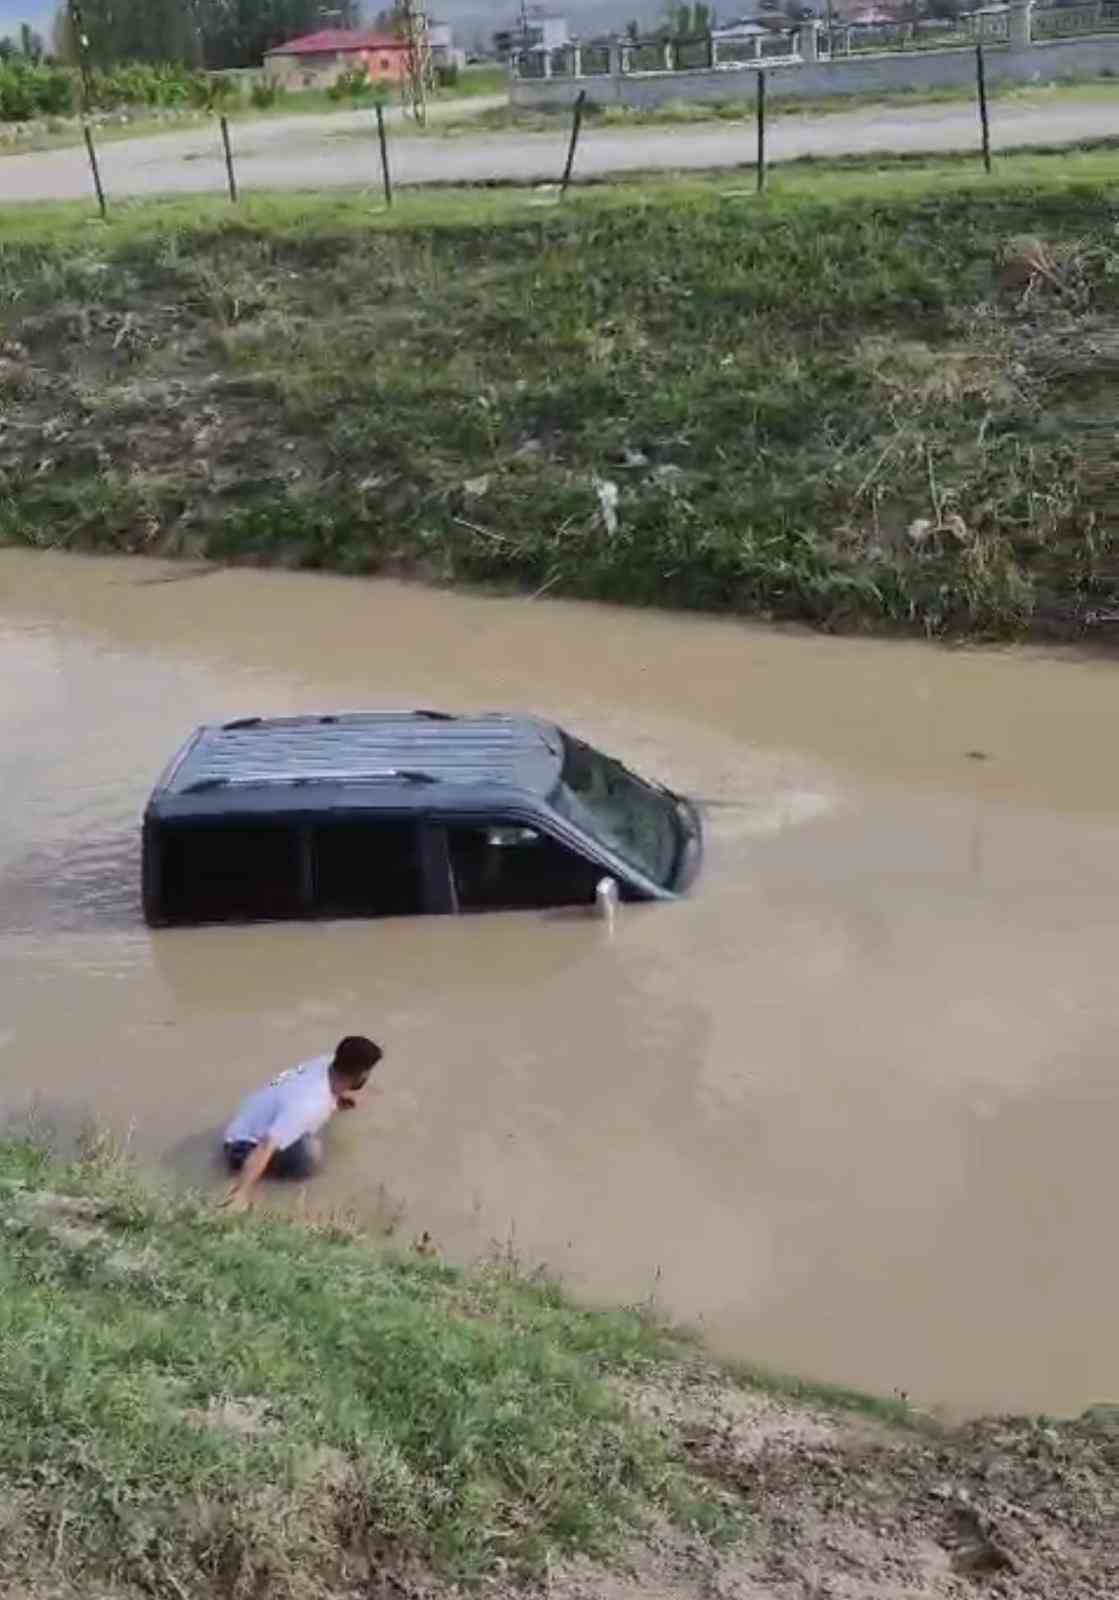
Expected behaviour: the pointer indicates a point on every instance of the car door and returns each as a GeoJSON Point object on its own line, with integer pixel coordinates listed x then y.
{"type": "Point", "coordinates": [497, 864]}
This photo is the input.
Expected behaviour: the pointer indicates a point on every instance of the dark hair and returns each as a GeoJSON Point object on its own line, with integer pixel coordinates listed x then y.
{"type": "Point", "coordinates": [355, 1057]}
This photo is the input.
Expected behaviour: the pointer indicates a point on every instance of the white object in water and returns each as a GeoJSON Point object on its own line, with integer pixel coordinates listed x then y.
{"type": "Point", "coordinates": [606, 901]}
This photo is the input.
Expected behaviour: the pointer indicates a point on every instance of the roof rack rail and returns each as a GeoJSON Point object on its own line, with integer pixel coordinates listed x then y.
{"type": "Point", "coordinates": [244, 780]}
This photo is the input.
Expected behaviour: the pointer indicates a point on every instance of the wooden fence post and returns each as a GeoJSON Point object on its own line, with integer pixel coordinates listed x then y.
{"type": "Point", "coordinates": [760, 109]}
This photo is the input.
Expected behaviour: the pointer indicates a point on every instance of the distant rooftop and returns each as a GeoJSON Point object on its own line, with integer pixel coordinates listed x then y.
{"type": "Point", "coordinates": [332, 40]}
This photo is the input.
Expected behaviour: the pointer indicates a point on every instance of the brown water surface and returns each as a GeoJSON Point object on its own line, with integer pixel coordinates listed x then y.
{"type": "Point", "coordinates": [852, 1108]}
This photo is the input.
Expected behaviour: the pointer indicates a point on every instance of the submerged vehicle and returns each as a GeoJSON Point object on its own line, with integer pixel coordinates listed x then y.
{"type": "Point", "coordinates": [386, 813]}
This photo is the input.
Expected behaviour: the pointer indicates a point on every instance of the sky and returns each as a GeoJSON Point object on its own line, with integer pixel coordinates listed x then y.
{"type": "Point", "coordinates": [13, 12]}
{"type": "Point", "coordinates": [469, 17]}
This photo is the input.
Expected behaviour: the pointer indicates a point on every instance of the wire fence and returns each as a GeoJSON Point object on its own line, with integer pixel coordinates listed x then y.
{"type": "Point", "coordinates": [376, 159]}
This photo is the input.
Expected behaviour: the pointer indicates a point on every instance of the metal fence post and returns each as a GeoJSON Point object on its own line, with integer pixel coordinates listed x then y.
{"type": "Point", "coordinates": [984, 120]}
{"type": "Point", "coordinates": [88, 131]}
{"type": "Point", "coordinates": [576, 124]}
{"type": "Point", "coordinates": [760, 109]}
{"type": "Point", "coordinates": [228, 158]}
{"type": "Point", "coordinates": [386, 175]}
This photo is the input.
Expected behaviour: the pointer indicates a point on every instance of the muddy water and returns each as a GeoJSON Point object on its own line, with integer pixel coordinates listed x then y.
{"type": "Point", "coordinates": [852, 1108]}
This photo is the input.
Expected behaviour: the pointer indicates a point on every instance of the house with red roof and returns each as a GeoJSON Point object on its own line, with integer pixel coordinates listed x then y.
{"type": "Point", "coordinates": [320, 59]}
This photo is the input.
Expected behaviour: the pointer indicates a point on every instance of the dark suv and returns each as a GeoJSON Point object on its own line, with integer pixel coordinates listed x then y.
{"type": "Point", "coordinates": [392, 813]}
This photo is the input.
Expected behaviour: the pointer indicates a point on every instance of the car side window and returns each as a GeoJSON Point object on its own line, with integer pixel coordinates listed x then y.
{"type": "Point", "coordinates": [506, 867]}
{"type": "Point", "coordinates": [367, 869]}
{"type": "Point", "coordinates": [231, 871]}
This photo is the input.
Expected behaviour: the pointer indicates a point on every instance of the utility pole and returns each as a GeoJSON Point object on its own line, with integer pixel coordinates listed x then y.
{"type": "Point", "coordinates": [81, 44]}
{"type": "Point", "coordinates": [417, 59]}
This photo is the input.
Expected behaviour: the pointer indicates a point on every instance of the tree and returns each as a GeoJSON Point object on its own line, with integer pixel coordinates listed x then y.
{"type": "Point", "coordinates": [687, 21]}
{"type": "Point", "coordinates": [31, 43]}
{"type": "Point", "coordinates": [238, 33]}
{"type": "Point", "coordinates": [7, 49]}
{"type": "Point", "coordinates": [388, 22]}
{"type": "Point", "coordinates": [130, 30]}
{"type": "Point", "coordinates": [217, 33]}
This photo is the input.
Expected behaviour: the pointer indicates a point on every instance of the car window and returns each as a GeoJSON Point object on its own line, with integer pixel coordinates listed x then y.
{"type": "Point", "coordinates": [619, 809]}
{"type": "Point", "coordinates": [212, 872]}
{"type": "Point", "coordinates": [367, 869]}
{"type": "Point", "coordinates": [237, 871]}
{"type": "Point", "coordinates": [502, 867]}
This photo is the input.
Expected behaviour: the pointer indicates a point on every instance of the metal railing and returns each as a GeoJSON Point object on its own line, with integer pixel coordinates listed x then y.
{"type": "Point", "coordinates": [627, 57]}
{"type": "Point", "coordinates": [1065, 22]}
{"type": "Point", "coordinates": [707, 52]}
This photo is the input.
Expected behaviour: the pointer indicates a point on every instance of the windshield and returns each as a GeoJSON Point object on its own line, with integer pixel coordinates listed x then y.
{"type": "Point", "coordinates": [631, 818]}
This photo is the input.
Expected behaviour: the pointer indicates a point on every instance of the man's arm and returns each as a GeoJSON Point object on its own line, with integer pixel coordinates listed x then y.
{"type": "Point", "coordinates": [240, 1195]}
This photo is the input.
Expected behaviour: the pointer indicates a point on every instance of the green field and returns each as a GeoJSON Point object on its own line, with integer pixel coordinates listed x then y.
{"type": "Point", "coordinates": [876, 397]}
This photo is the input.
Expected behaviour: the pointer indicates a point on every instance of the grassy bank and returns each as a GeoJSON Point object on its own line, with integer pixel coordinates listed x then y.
{"type": "Point", "coordinates": [264, 1405]}
{"type": "Point", "coordinates": [194, 1404]}
{"type": "Point", "coordinates": [874, 398]}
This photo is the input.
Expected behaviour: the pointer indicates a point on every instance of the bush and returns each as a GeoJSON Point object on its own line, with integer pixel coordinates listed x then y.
{"type": "Point", "coordinates": [265, 92]}
{"type": "Point", "coordinates": [28, 91]}
{"type": "Point", "coordinates": [353, 84]}
{"type": "Point", "coordinates": [57, 92]}
{"type": "Point", "coordinates": [447, 76]}
{"type": "Point", "coordinates": [221, 89]}
{"type": "Point", "coordinates": [162, 85]}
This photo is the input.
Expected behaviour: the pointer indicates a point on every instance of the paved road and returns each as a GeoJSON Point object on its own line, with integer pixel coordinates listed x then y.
{"type": "Point", "coordinates": [341, 151]}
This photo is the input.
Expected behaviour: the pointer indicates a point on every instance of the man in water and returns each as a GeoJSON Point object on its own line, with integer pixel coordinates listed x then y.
{"type": "Point", "coordinates": [276, 1131]}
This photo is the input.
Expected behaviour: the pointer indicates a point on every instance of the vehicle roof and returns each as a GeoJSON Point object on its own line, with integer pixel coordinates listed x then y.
{"type": "Point", "coordinates": [399, 754]}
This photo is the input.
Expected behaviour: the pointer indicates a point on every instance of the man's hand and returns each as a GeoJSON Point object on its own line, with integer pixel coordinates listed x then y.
{"type": "Point", "coordinates": [240, 1196]}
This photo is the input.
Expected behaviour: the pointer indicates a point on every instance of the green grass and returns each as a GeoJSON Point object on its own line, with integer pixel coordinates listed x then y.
{"type": "Point", "coordinates": [195, 1404]}
{"type": "Point", "coordinates": [877, 397]}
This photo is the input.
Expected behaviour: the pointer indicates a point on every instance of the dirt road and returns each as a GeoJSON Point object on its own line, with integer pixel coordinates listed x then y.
{"type": "Point", "coordinates": [340, 150]}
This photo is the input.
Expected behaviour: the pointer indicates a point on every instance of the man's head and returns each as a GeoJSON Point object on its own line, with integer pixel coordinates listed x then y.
{"type": "Point", "coordinates": [353, 1061]}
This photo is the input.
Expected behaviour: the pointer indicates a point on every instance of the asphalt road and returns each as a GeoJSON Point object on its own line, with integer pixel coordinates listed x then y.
{"type": "Point", "coordinates": [341, 150]}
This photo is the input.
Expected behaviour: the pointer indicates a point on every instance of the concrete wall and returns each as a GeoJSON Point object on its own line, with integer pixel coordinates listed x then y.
{"type": "Point", "coordinates": [1084, 57]}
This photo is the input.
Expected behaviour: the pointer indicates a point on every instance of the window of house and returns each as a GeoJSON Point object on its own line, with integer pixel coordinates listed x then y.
{"type": "Point", "coordinates": [500, 867]}
{"type": "Point", "coordinates": [385, 63]}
